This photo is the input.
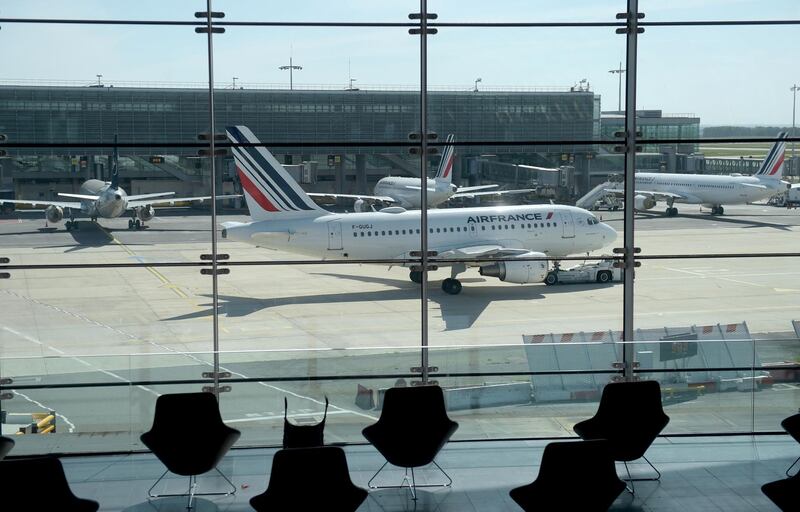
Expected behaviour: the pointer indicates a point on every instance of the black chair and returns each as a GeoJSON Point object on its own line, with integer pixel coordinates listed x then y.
{"type": "Point", "coordinates": [630, 417]}
{"type": "Point", "coordinates": [40, 477]}
{"type": "Point", "coordinates": [310, 479]}
{"type": "Point", "coordinates": [303, 436]}
{"type": "Point", "coordinates": [6, 444]}
{"type": "Point", "coordinates": [792, 426]}
{"type": "Point", "coordinates": [576, 475]}
{"type": "Point", "coordinates": [413, 427]}
{"type": "Point", "coordinates": [189, 437]}
{"type": "Point", "coordinates": [784, 493]}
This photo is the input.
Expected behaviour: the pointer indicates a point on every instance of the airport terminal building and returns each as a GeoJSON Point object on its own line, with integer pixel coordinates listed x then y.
{"type": "Point", "coordinates": [142, 115]}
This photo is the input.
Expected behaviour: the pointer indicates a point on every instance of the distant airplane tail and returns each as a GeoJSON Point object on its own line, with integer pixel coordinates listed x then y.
{"type": "Point", "coordinates": [772, 167]}
{"type": "Point", "coordinates": [444, 174]}
{"type": "Point", "coordinates": [270, 191]}
{"type": "Point", "coordinates": [115, 166]}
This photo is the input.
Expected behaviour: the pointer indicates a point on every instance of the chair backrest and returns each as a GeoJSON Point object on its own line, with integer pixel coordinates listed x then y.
{"type": "Point", "coordinates": [310, 479]}
{"type": "Point", "coordinates": [43, 478]}
{"type": "Point", "coordinates": [174, 410]}
{"type": "Point", "coordinates": [624, 399]}
{"type": "Point", "coordinates": [405, 406]}
{"type": "Point", "coordinates": [792, 426]}
{"type": "Point", "coordinates": [303, 436]}
{"type": "Point", "coordinates": [6, 444]}
{"type": "Point", "coordinates": [578, 475]}
{"type": "Point", "coordinates": [784, 493]}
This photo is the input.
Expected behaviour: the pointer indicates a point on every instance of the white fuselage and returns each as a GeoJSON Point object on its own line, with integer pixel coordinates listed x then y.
{"type": "Point", "coordinates": [406, 191]}
{"type": "Point", "coordinates": [709, 190]}
{"type": "Point", "coordinates": [110, 203]}
{"type": "Point", "coordinates": [555, 230]}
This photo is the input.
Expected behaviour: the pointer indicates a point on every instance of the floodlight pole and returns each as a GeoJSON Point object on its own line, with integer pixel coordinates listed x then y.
{"type": "Point", "coordinates": [619, 71]}
{"type": "Point", "coordinates": [291, 67]}
{"type": "Point", "coordinates": [794, 90]}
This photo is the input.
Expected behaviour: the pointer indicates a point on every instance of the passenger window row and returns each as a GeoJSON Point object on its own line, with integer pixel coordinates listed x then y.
{"type": "Point", "coordinates": [457, 229]}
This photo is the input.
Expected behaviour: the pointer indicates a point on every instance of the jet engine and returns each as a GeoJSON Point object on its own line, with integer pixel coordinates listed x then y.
{"type": "Point", "coordinates": [145, 213]}
{"type": "Point", "coordinates": [54, 214]}
{"type": "Point", "coordinates": [641, 202]}
{"type": "Point", "coordinates": [521, 272]}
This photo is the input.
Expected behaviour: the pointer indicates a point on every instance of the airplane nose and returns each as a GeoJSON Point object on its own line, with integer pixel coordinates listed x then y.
{"type": "Point", "coordinates": [609, 233]}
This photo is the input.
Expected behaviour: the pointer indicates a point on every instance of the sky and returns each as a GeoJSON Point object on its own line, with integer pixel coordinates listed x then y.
{"type": "Point", "coordinates": [725, 75]}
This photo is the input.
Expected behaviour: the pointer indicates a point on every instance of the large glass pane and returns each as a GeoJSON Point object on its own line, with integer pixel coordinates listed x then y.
{"type": "Point", "coordinates": [747, 10]}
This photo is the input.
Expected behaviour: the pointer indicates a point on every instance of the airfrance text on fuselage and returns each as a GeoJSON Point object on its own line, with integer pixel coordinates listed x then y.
{"type": "Point", "coordinates": [509, 218]}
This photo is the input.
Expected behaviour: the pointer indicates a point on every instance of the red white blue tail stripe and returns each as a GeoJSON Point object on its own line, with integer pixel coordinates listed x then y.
{"type": "Point", "coordinates": [267, 185]}
{"type": "Point", "coordinates": [445, 170]}
{"type": "Point", "coordinates": [772, 167]}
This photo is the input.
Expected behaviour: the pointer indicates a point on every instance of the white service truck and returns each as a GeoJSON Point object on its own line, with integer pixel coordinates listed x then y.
{"type": "Point", "coordinates": [602, 271]}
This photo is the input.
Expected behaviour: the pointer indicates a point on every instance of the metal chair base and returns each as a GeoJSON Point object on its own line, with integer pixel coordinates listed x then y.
{"type": "Point", "coordinates": [630, 488]}
{"type": "Point", "coordinates": [412, 485]}
{"type": "Point", "coordinates": [790, 467]}
{"type": "Point", "coordinates": [192, 489]}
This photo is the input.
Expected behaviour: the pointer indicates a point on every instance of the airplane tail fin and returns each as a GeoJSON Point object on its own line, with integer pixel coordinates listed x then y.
{"type": "Point", "coordinates": [269, 190]}
{"type": "Point", "coordinates": [772, 167]}
{"type": "Point", "coordinates": [445, 171]}
{"type": "Point", "coordinates": [115, 166]}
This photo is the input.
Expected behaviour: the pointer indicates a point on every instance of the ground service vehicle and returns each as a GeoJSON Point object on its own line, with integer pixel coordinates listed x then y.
{"type": "Point", "coordinates": [602, 271]}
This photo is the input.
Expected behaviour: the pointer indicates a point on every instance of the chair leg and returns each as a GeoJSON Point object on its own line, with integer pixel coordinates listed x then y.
{"type": "Point", "coordinates": [630, 479]}
{"type": "Point", "coordinates": [412, 482]}
{"type": "Point", "coordinates": [150, 490]}
{"type": "Point", "coordinates": [790, 467]}
{"type": "Point", "coordinates": [193, 488]}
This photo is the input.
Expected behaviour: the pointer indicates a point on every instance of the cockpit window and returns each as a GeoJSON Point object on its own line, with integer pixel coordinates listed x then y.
{"type": "Point", "coordinates": [592, 220]}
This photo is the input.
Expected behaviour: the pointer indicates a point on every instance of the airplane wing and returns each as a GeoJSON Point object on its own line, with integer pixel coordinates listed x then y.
{"type": "Point", "coordinates": [386, 199]}
{"type": "Point", "coordinates": [79, 196]}
{"type": "Point", "coordinates": [753, 185]}
{"type": "Point", "coordinates": [655, 195]}
{"type": "Point", "coordinates": [150, 196]}
{"type": "Point", "coordinates": [481, 251]}
{"type": "Point", "coordinates": [492, 192]}
{"type": "Point", "coordinates": [477, 187]}
{"type": "Point", "coordinates": [60, 204]}
{"type": "Point", "coordinates": [169, 201]}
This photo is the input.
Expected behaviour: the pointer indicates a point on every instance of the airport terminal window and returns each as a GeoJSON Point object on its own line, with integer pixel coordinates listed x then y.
{"type": "Point", "coordinates": [301, 308]}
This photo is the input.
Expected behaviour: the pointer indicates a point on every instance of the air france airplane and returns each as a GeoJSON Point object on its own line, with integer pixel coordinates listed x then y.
{"type": "Point", "coordinates": [284, 217]}
{"type": "Point", "coordinates": [405, 192]}
{"type": "Point", "coordinates": [101, 199]}
{"type": "Point", "coordinates": [711, 191]}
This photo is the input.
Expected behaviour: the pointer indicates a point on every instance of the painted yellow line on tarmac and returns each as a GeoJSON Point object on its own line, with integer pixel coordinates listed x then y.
{"type": "Point", "coordinates": [161, 277]}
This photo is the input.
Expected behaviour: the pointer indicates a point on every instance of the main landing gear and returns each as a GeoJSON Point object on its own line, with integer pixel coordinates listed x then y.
{"type": "Point", "coordinates": [671, 211]}
{"type": "Point", "coordinates": [71, 224]}
{"type": "Point", "coordinates": [135, 224]}
{"type": "Point", "coordinates": [450, 286]}
{"type": "Point", "coordinates": [717, 210]}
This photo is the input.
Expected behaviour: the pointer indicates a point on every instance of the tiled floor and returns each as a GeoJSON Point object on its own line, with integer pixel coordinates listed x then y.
{"type": "Point", "coordinates": [699, 474]}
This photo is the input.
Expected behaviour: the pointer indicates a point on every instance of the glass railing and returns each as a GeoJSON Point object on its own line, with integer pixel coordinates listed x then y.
{"type": "Point", "coordinates": [537, 389]}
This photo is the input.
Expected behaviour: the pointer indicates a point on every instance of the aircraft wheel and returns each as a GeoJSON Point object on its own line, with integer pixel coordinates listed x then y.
{"type": "Point", "coordinates": [451, 286]}
{"type": "Point", "coordinates": [415, 276]}
{"type": "Point", "coordinates": [551, 278]}
{"type": "Point", "coordinates": [68, 225]}
{"type": "Point", "coordinates": [720, 210]}
{"type": "Point", "coordinates": [130, 223]}
{"type": "Point", "coordinates": [603, 276]}
{"type": "Point", "coordinates": [75, 225]}
{"type": "Point", "coordinates": [137, 224]}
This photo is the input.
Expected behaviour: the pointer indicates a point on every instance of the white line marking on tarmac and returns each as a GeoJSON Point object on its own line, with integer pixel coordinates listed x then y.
{"type": "Point", "coordinates": [280, 416]}
{"type": "Point", "coordinates": [31, 400]}
{"type": "Point", "coordinates": [168, 349]}
{"type": "Point", "coordinates": [75, 358]}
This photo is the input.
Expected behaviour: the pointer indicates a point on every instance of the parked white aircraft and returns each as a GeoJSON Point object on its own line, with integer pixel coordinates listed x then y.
{"type": "Point", "coordinates": [285, 218]}
{"type": "Point", "coordinates": [711, 191]}
{"type": "Point", "coordinates": [107, 200]}
{"type": "Point", "coordinates": [405, 192]}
